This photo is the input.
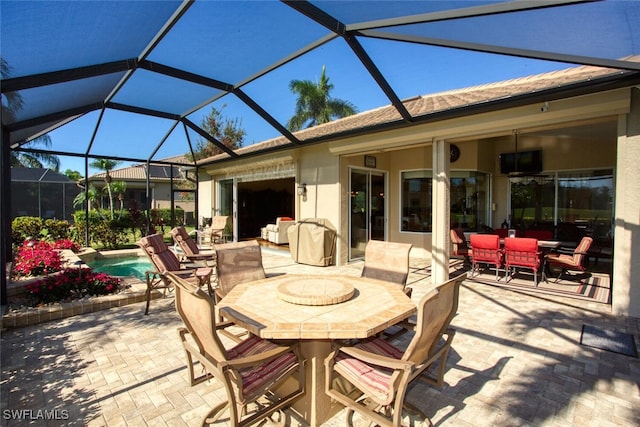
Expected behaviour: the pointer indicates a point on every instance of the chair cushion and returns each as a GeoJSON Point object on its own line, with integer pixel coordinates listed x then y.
{"type": "Point", "coordinates": [256, 378]}
{"type": "Point", "coordinates": [153, 244]}
{"type": "Point", "coordinates": [374, 381]}
{"type": "Point", "coordinates": [167, 260]}
{"type": "Point", "coordinates": [563, 259]}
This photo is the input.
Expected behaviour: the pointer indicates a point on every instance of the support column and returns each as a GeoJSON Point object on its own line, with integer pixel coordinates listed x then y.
{"type": "Point", "coordinates": [441, 213]}
{"type": "Point", "coordinates": [6, 254]}
{"type": "Point", "coordinates": [626, 261]}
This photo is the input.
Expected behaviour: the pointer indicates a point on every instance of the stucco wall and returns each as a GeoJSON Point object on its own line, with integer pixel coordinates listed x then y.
{"type": "Point", "coordinates": [319, 170]}
{"type": "Point", "coordinates": [626, 265]}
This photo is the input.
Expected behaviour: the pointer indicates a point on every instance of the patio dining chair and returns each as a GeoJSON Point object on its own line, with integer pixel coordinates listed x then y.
{"type": "Point", "coordinates": [164, 260]}
{"type": "Point", "coordinates": [389, 262]}
{"type": "Point", "coordinates": [460, 246]}
{"type": "Point", "coordinates": [568, 262]}
{"type": "Point", "coordinates": [521, 252]}
{"type": "Point", "coordinates": [485, 249]}
{"type": "Point", "coordinates": [373, 376]}
{"type": "Point", "coordinates": [236, 263]}
{"type": "Point", "coordinates": [189, 250]}
{"type": "Point", "coordinates": [249, 371]}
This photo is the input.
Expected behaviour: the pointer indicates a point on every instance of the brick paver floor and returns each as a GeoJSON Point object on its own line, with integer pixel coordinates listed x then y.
{"type": "Point", "coordinates": [516, 361]}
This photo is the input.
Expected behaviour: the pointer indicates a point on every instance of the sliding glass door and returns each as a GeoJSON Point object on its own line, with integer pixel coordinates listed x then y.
{"type": "Point", "coordinates": [367, 208]}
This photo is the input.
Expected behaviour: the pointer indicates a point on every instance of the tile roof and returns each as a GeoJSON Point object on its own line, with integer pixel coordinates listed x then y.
{"type": "Point", "coordinates": [424, 105]}
{"type": "Point", "coordinates": [157, 173]}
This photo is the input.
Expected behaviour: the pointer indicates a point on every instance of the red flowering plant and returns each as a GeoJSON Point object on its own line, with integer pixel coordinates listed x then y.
{"type": "Point", "coordinates": [72, 283]}
{"type": "Point", "coordinates": [67, 244]}
{"type": "Point", "coordinates": [36, 258]}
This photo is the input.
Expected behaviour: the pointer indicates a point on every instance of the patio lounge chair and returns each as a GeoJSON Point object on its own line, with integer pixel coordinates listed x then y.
{"type": "Point", "coordinates": [249, 370]}
{"type": "Point", "coordinates": [190, 252]}
{"type": "Point", "coordinates": [373, 376]}
{"type": "Point", "coordinates": [164, 260]}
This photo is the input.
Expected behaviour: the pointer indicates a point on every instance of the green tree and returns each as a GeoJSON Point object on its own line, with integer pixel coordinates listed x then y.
{"type": "Point", "coordinates": [226, 130]}
{"type": "Point", "coordinates": [119, 188]}
{"type": "Point", "coordinates": [11, 104]}
{"type": "Point", "coordinates": [91, 197]}
{"type": "Point", "coordinates": [74, 175]}
{"type": "Point", "coordinates": [36, 160]}
{"type": "Point", "coordinates": [106, 165]}
{"type": "Point", "coordinates": [315, 105]}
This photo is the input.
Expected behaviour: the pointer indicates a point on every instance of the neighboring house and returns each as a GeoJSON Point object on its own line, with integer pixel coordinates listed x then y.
{"type": "Point", "coordinates": [160, 187]}
{"type": "Point", "coordinates": [42, 193]}
{"type": "Point", "coordinates": [374, 179]}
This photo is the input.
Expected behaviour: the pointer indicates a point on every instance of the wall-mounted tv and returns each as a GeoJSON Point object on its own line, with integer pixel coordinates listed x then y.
{"type": "Point", "coordinates": [525, 162]}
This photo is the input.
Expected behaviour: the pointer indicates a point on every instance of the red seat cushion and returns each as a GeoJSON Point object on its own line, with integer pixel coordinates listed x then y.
{"type": "Point", "coordinates": [256, 378]}
{"type": "Point", "coordinates": [375, 381]}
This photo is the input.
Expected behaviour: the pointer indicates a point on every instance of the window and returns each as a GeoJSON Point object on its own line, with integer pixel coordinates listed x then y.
{"type": "Point", "coordinates": [468, 200]}
{"type": "Point", "coordinates": [575, 204]}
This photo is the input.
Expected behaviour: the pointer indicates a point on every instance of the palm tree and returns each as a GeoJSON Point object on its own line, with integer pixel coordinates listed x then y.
{"type": "Point", "coordinates": [36, 160]}
{"type": "Point", "coordinates": [107, 166]}
{"type": "Point", "coordinates": [13, 105]}
{"type": "Point", "coordinates": [119, 188]}
{"type": "Point", "coordinates": [315, 104]}
{"type": "Point", "coordinates": [90, 197]}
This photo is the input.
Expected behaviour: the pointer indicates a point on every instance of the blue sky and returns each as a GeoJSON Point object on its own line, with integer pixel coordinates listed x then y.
{"type": "Point", "coordinates": [410, 69]}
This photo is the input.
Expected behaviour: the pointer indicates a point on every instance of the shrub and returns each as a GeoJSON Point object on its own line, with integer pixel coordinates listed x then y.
{"type": "Point", "coordinates": [23, 227]}
{"type": "Point", "coordinates": [162, 217]}
{"type": "Point", "coordinates": [72, 283]}
{"type": "Point", "coordinates": [110, 233]}
{"type": "Point", "coordinates": [37, 257]}
{"type": "Point", "coordinates": [56, 229]}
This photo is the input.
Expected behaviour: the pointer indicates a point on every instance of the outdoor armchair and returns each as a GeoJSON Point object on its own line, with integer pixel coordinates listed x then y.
{"type": "Point", "coordinates": [565, 262]}
{"type": "Point", "coordinates": [521, 252]}
{"type": "Point", "coordinates": [460, 246]}
{"type": "Point", "coordinates": [237, 262]}
{"type": "Point", "coordinates": [373, 376]}
{"type": "Point", "coordinates": [485, 249]}
{"type": "Point", "coordinates": [389, 261]}
{"type": "Point", "coordinates": [250, 370]}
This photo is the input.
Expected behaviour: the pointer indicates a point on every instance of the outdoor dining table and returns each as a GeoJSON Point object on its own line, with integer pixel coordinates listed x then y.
{"type": "Point", "coordinates": [543, 244]}
{"type": "Point", "coordinates": [316, 309]}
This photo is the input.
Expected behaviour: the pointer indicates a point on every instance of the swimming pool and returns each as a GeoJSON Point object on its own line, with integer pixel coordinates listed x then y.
{"type": "Point", "coordinates": [132, 266]}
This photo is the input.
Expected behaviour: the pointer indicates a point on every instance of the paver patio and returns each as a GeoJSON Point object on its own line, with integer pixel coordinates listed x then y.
{"type": "Point", "coordinates": [516, 361]}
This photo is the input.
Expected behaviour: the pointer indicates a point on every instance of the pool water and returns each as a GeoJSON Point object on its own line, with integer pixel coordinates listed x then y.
{"type": "Point", "coordinates": [133, 266]}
